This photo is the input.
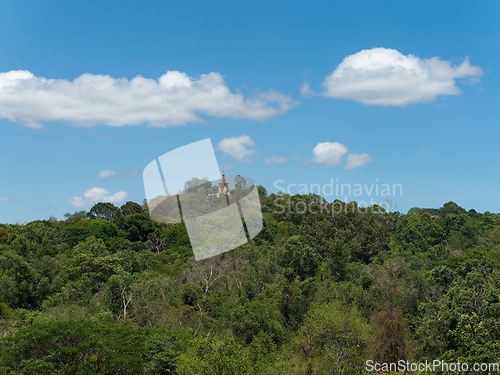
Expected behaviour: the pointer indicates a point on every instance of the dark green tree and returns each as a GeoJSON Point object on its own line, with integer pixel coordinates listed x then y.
{"type": "Point", "coordinates": [103, 210]}
{"type": "Point", "coordinates": [130, 208]}
{"type": "Point", "coordinates": [75, 347]}
{"type": "Point", "coordinates": [18, 281]}
{"type": "Point", "coordinates": [138, 227]}
{"type": "Point", "coordinates": [302, 259]}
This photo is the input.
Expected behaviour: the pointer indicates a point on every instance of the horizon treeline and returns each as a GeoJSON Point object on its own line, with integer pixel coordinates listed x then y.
{"type": "Point", "coordinates": [318, 291]}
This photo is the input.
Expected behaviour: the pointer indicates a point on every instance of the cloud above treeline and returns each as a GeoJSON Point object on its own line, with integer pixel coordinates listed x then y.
{"type": "Point", "coordinates": [107, 173]}
{"type": "Point", "coordinates": [238, 148]}
{"type": "Point", "coordinates": [378, 76]}
{"type": "Point", "coordinates": [383, 76]}
{"type": "Point", "coordinates": [357, 160]}
{"type": "Point", "coordinates": [94, 195]}
{"type": "Point", "coordinates": [332, 153]}
{"type": "Point", "coordinates": [329, 153]}
{"type": "Point", "coordinates": [89, 100]}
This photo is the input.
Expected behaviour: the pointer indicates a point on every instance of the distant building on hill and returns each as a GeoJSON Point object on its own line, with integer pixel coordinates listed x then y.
{"type": "Point", "coordinates": [223, 184]}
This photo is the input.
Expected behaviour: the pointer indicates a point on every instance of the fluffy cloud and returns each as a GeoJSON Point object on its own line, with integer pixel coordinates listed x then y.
{"type": "Point", "coordinates": [279, 159]}
{"type": "Point", "coordinates": [107, 173]}
{"type": "Point", "coordinates": [329, 153]}
{"type": "Point", "coordinates": [94, 195]}
{"type": "Point", "coordinates": [357, 160]}
{"type": "Point", "coordinates": [305, 90]}
{"type": "Point", "coordinates": [237, 147]}
{"type": "Point", "coordinates": [173, 99]}
{"type": "Point", "coordinates": [4, 199]}
{"type": "Point", "coordinates": [383, 76]}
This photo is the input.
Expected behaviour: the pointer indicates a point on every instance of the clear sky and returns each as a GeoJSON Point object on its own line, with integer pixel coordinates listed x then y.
{"type": "Point", "coordinates": [354, 92]}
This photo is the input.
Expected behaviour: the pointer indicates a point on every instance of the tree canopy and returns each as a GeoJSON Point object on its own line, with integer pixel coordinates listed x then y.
{"type": "Point", "coordinates": [324, 287]}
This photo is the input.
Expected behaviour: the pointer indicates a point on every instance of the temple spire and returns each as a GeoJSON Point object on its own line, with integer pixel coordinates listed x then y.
{"type": "Point", "coordinates": [223, 184]}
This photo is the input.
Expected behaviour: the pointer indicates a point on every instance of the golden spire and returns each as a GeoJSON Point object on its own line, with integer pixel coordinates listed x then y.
{"type": "Point", "coordinates": [223, 184]}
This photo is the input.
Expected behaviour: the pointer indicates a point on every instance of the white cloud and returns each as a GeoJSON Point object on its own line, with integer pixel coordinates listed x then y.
{"type": "Point", "coordinates": [305, 90]}
{"type": "Point", "coordinates": [383, 76]}
{"type": "Point", "coordinates": [279, 159]}
{"type": "Point", "coordinates": [236, 147]}
{"type": "Point", "coordinates": [329, 153]}
{"type": "Point", "coordinates": [357, 160]}
{"type": "Point", "coordinates": [4, 199]}
{"type": "Point", "coordinates": [94, 195]}
{"type": "Point", "coordinates": [173, 99]}
{"type": "Point", "coordinates": [107, 173]}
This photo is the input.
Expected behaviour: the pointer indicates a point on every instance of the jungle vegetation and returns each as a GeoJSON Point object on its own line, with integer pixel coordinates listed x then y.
{"type": "Point", "coordinates": [110, 291]}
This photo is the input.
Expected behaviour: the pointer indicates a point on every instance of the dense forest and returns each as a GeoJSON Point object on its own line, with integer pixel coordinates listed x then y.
{"type": "Point", "coordinates": [320, 290]}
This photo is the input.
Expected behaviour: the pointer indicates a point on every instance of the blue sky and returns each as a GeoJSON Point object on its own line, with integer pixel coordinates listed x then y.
{"type": "Point", "coordinates": [360, 92]}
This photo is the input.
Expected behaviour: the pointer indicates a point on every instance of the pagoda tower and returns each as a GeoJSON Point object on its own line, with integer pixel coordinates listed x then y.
{"type": "Point", "coordinates": [223, 184]}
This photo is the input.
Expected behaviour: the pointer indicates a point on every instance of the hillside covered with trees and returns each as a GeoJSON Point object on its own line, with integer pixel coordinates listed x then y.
{"type": "Point", "coordinates": [110, 291]}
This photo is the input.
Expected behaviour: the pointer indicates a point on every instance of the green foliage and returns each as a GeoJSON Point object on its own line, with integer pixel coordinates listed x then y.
{"type": "Point", "coordinates": [323, 287]}
{"type": "Point", "coordinates": [37, 236]}
{"type": "Point", "coordinates": [160, 355]}
{"type": "Point", "coordinates": [103, 210]}
{"type": "Point", "coordinates": [18, 281]}
{"type": "Point", "coordinates": [444, 321]}
{"type": "Point", "coordinates": [257, 317]}
{"type": "Point", "coordinates": [391, 341]}
{"type": "Point", "coordinates": [119, 292]}
{"type": "Point", "coordinates": [139, 226]}
{"type": "Point", "coordinates": [6, 312]}
{"type": "Point", "coordinates": [194, 184]}
{"type": "Point", "coordinates": [420, 233]}
{"type": "Point", "coordinates": [75, 347]}
{"type": "Point", "coordinates": [335, 333]}
{"type": "Point", "coordinates": [77, 216]}
{"type": "Point", "coordinates": [295, 300]}
{"type": "Point", "coordinates": [130, 208]}
{"type": "Point", "coordinates": [213, 355]}
{"type": "Point", "coordinates": [451, 208]}
{"type": "Point", "coordinates": [302, 259]}
{"type": "Point", "coordinates": [98, 228]}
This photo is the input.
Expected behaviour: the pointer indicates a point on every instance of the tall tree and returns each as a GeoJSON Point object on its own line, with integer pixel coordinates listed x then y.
{"type": "Point", "coordinates": [130, 208]}
{"type": "Point", "coordinates": [391, 340]}
{"type": "Point", "coordinates": [240, 182]}
{"type": "Point", "coordinates": [103, 210]}
{"type": "Point", "coordinates": [77, 216]}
